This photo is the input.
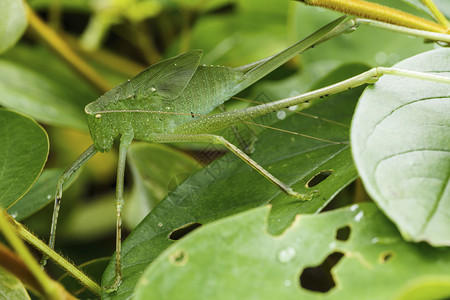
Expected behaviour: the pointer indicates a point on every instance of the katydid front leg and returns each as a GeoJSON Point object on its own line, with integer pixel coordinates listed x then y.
{"type": "Point", "coordinates": [125, 142]}
{"type": "Point", "coordinates": [65, 177]}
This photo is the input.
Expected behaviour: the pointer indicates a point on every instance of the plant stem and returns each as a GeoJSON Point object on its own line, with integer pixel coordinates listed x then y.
{"type": "Point", "coordinates": [41, 246]}
{"type": "Point", "coordinates": [44, 284]}
{"type": "Point", "coordinates": [378, 12]}
{"type": "Point", "coordinates": [437, 13]}
{"type": "Point", "coordinates": [414, 32]}
{"type": "Point", "coordinates": [54, 41]}
{"type": "Point", "coordinates": [106, 58]}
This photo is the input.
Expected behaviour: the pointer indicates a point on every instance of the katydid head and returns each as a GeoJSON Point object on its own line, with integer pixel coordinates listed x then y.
{"type": "Point", "coordinates": [102, 133]}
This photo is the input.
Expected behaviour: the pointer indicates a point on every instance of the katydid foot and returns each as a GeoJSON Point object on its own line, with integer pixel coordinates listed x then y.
{"type": "Point", "coordinates": [302, 197]}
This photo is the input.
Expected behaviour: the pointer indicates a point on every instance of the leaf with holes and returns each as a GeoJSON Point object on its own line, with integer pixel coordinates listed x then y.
{"type": "Point", "coordinates": [238, 252]}
{"type": "Point", "coordinates": [228, 186]}
{"type": "Point", "coordinates": [400, 142]}
{"type": "Point", "coordinates": [23, 153]}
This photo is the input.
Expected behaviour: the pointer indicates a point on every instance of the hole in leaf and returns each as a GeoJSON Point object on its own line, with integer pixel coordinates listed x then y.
{"type": "Point", "coordinates": [183, 230]}
{"type": "Point", "coordinates": [343, 233]}
{"type": "Point", "coordinates": [318, 178]}
{"type": "Point", "coordinates": [178, 258]}
{"type": "Point", "coordinates": [386, 257]}
{"type": "Point", "coordinates": [319, 278]}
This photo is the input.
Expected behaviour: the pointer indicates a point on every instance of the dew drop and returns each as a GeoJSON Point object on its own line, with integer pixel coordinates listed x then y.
{"type": "Point", "coordinates": [374, 240]}
{"type": "Point", "coordinates": [281, 114]}
{"type": "Point", "coordinates": [153, 89]}
{"type": "Point", "coordinates": [354, 207]}
{"type": "Point", "coordinates": [332, 245]}
{"type": "Point", "coordinates": [98, 116]}
{"type": "Point", "coordinates": [293, 107]}
{"type": "Point", "coordinates": [49, 197]}
{"type": "Point", "coordinates": [160, 224]}
{"type": "Point", "coordinates": [358, 216]}
{"type": "Point", "coordinates": [287, 283]}
{"type": "Point", "coordinates": [175, 65]}
{"type": "Point", "coordinates": [286, 255]}
{"type": "Point", "coordinates": [14, 215]}
{"type": "Point", "coordinates": [381, 58]}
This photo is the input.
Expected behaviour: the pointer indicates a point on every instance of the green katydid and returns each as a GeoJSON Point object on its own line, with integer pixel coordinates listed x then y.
{"type": "Point", "coordinates": [161, 104]}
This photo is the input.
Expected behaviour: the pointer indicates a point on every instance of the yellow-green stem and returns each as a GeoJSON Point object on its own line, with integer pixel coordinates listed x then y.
{"type": "Point", "coordinates": [52, 39]}
{"type": "Point", "coordinates": [437, 13]}
{"type": "Point", "coordinates": [378, 12]}
{"type": "Point", "coordinates": [71, 269]}
{"type": "Point", "coordinates": [48, 288]}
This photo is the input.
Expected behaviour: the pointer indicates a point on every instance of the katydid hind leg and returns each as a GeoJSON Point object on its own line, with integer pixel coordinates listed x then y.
{"type": "Point", "coordinates": [246, 143]}
{"type": "Point", "coordinates": [65, 177]}
{"type": "Point", "coordinates": [256, 70]}
{"type": "Point", "coordinates": [216, 139]}
{"type": "Point", "coordinates": [125, 142]}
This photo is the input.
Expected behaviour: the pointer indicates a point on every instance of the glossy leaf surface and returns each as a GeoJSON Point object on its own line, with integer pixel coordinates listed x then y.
{"type": "Point", "coordinates": [23, 153]}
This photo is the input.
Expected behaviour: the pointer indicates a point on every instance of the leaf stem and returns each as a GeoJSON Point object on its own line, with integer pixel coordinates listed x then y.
{"type": "Point", "coordinates": [54, 41]}
{"type": "Point", "coordinates": [378, 12]}
{"type": "Point", "coordinates": [41, 246]}
{"type": "Point", "coordinates": [437, 13]}
{"type": "Point", "coordinates": [44, 283]}
{"type": "Point", "coordinates": [434, 36]}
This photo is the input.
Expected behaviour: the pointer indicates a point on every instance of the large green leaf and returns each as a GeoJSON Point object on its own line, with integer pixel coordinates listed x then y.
{"type": "Point", "coordinates": [23, 153]}
{"type": "Point", "coordinates": [235, 258]}
{"type": "Point", "coordinates": [38, 96]}
{"type": "Point", "coordinates": [229, 186]}
{"type": "Point", "coordinates": [156, 169]}
{"type": "Point", "coordinates": [40, 194]}
{"type": "Point", "coordinates": [401, 146]}
{"type": "Point", "coordinates": [13, 22]}
{"type": "Point", "coordinates": [11, 287]}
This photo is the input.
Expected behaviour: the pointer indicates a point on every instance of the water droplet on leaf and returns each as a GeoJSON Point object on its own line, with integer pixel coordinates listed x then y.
{"type": "Point", "coordinates": [358, 216]}
{"type": "Point", "coordinates": [281, 114]}
{"type": "Point", "coordinates": [286, 255]}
